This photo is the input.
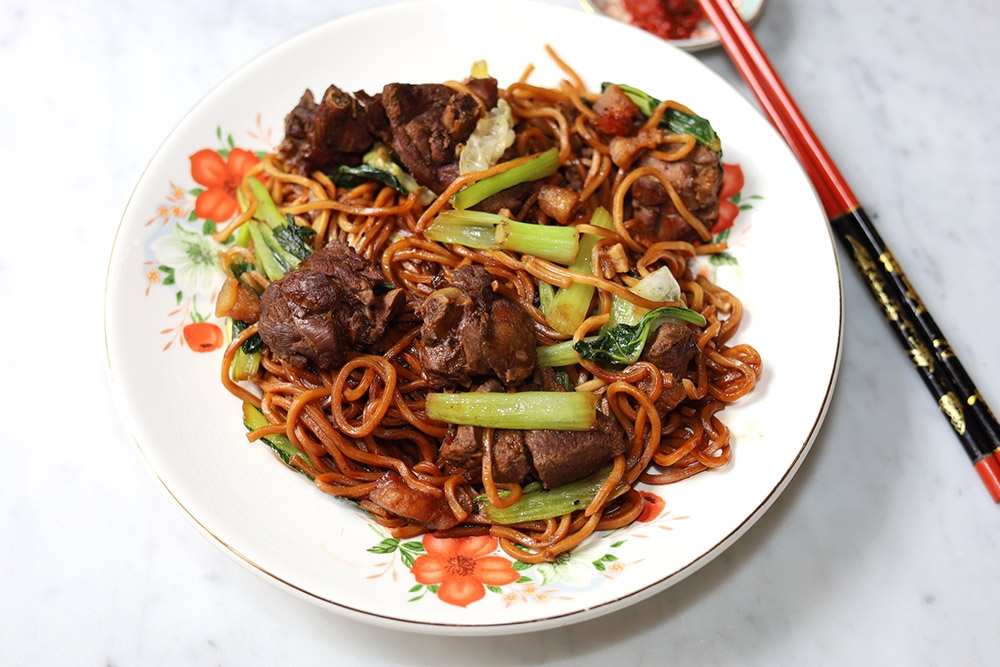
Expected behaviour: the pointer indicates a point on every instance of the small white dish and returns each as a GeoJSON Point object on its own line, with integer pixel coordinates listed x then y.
{"type": "Point", "coordinates": [702, 37]}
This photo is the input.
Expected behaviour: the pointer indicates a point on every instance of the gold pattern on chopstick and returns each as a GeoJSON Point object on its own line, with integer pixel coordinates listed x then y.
{"type": "Point", "coordinates": [943, 348]}
{"type": "Point", "coordinates": [921, 358]}
{"type": "Point", "coordinates": [919, 354]}
{"type": "Point", "coordinates": [952, 407]}
{"type": "Point", "coordinates": [892, 266]}
{"type": "Point", "coordinates": [870, 270]}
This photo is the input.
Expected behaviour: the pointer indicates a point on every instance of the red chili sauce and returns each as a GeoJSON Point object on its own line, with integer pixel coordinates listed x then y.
{"type": "Point", "coordinates": [670, 19]}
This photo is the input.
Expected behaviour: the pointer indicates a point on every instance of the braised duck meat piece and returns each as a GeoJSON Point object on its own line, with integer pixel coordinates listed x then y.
{"type": "Point", "coordinates": [426, 124]}
{"type": "Point", "coordinates": [671, 348]}
{"type": "Point", "coordinates": [552, 457]}
{"type": "Point", "coordinates": [463, 447]}
{"type": "Point", "coordinates": [512, 199]}
{"type": "Point", "coordinates": [469, 330]}
{"type": "Point", "coordinates": [561, 457]}
{"type": "Point", "coordinates": [697, 179]}
{"type": "Point", "coordinates": [334, 302]}
{"type": "Point", "coordinates": [333, 131]}
{"type": "Point", "coordinates": [423, 124]}
{"type": "Point", "coordinates": [393, 494]}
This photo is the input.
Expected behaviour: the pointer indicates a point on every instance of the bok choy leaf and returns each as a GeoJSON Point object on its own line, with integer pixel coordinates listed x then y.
{"type": "Point", "coordinates": [623, 343]}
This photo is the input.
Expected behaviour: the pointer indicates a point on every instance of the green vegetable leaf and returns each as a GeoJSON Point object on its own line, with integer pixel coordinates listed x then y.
{"type": "Point", "coordinates": [252, 344]}
{"type": "Point", "coordinates": [623, 343]}
{"type": "Point", "coordinates": [292, 237]}
{"type": "Point", "coordinates": [253, 419]}
{"type": "Point", "coordinates": [238, 268]}
{"type": "Point", "coordinates": [349, 177]}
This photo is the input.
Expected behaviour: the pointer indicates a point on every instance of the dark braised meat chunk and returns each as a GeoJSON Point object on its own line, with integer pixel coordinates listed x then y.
{"type": "Point", "coordinates": [696, 178]}
{"type": "Point", "coordinates": [334, 131]}
{"type": "Point", "coordinates": [463, 447]}
{"type": "Point", "coordinates": [395, 495]}
{"type": "Point", "coordinates": [424, 125]}
{"type": "Point", "coordinates": [336, 301]}
{"type": "Point", "coordinates": [561, 457]}
{"type": "Point", "coordinates": [469, 330]}
{"type": "Point", "coordinates": [511, 199]}
{"type": "Point", "coordinates": [671, 349]}
{"type": "Point", "coordinates": [552, 457]}
{"type": "Point", "coordinates": [485, 89]}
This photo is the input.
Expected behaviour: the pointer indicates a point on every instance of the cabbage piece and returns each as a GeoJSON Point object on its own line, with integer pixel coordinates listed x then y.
{"type": "Point", "coordinates": [494, 134]}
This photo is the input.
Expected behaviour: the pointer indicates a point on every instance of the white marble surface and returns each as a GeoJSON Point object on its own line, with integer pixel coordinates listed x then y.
{"type": "Point", "coordinates": [883, 549]}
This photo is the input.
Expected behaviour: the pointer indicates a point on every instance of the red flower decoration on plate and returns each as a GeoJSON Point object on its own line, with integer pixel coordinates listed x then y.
{"type": "Point", "coordinates": [220, 177]}
{"type": "Point", "coordinates": [651, 508]}
{"type": "Point", "coordinates": [462, 568]}
{"type": "Point", "coordinates": [203, 336]}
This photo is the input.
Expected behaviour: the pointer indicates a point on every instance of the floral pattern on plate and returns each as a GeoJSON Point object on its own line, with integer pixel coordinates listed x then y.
{"type": "Point", "coordinates": [462, 571]}
{"type": "Point", "coordinates": [183, 254]}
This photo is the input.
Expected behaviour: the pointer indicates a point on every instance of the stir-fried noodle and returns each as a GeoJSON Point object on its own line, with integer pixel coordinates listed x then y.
{"type": "Point", "coordinates": [353, 423]}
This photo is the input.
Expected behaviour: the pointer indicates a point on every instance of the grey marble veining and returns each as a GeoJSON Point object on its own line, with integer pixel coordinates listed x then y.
{"type": "Point", "coordinates": [882, 550]}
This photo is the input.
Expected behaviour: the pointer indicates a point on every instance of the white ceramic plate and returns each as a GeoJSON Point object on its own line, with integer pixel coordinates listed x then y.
{"type": "Point", "coordinates": [702, 37]}
{"type": "Point", "coordinates": [162, 278]}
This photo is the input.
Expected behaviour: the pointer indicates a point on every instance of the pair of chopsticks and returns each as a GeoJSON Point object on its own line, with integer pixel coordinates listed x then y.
{"type": "Point", "coordinates": [932, 356]}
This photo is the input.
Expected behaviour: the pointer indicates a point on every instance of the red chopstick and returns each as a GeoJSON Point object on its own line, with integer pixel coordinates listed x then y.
{"type": "Point", "coordinates": [942, 372]}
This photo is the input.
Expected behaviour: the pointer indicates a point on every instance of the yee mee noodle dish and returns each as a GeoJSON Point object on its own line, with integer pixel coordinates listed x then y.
{"type": "Point", "coordinates": [473, 310]}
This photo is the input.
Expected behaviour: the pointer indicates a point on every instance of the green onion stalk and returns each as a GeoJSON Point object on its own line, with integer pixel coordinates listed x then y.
{"type": "Point", "coordinates": [536, 504]}
{"type": "Point", "coordinates": [545, 410]}
{"type": "Point", "coordinates": [489, 231]}
{"type": "Point", "coordinates": [538, 167]}
{"type": "Point", "coordinates": [567, 310]}
{"type": "Point", "coordinates": [254, 419]}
